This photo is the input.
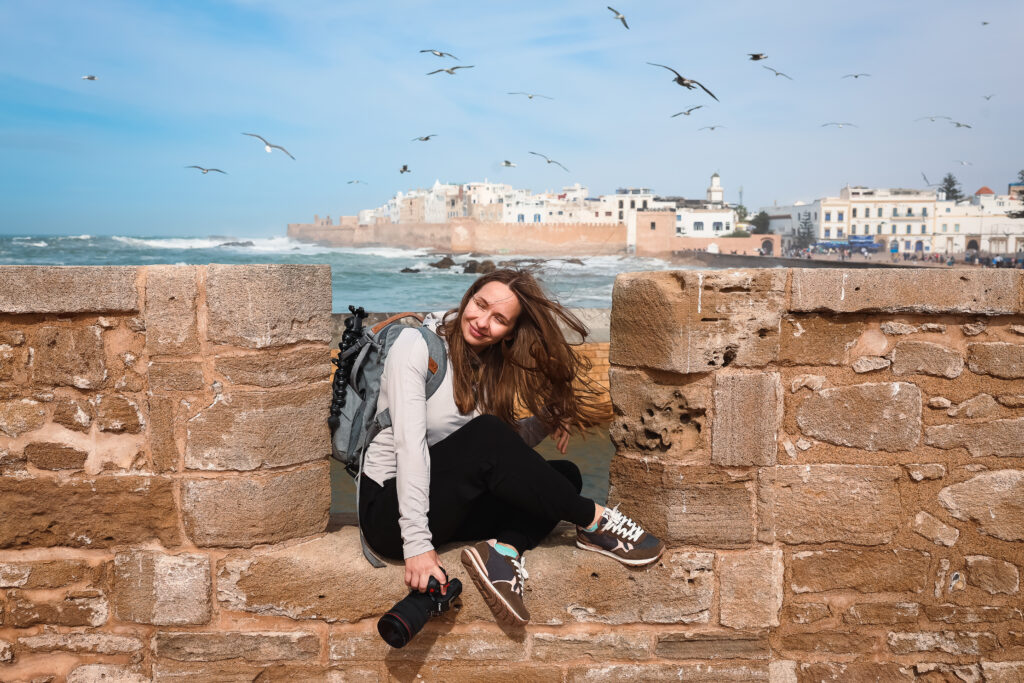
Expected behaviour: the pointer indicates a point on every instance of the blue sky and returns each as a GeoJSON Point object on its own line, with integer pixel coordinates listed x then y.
{"type": "Point", "coordinates": [343, 87]}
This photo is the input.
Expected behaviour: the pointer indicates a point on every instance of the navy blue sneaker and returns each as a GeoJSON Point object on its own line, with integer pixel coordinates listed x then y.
{"type": "Point", "coordinates": [500, 581]}
{"type": "Point", "coordinates": [620, 537]}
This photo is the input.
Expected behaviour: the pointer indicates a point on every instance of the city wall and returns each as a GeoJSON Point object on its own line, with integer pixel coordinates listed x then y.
{"type": "Point", "coordinates": [833, 457]}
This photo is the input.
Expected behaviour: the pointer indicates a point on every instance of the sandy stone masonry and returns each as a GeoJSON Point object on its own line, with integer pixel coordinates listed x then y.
{"type": "Point", "coordinates": [834, 458]}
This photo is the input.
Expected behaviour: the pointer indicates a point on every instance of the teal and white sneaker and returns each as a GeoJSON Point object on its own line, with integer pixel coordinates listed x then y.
{"type": "Point", "coordinates": [500, 580]}
{"type": "Point", "coordinates": [620, 537]}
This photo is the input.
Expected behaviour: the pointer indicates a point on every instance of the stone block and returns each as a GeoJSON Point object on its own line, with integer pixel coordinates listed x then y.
{"type": "Point", "coordinates": [151, 587]}
{"type": "Point", "coordinates": [274, 369]}
{"type": "Point", "coordinates": [20, 416]}
{"type": "Point", "coordinates": [866, 571]}
{"type": "Point", "coordinates": [925, 471]}
{"type": "Point", "coordinates": [660, 417]}
{"type": "Point", "coordinates": [973, 614]}
{"type": "Point", "coordinates": [999, 359]}
{"type": "Point", "coordinates": [871, 613]}
{"type": "Point", "coordinates": [175, 376]}
{"type": "Point", "coordinates": [750, 588]}
{"type": "Point", "coordinates": [858, 504]}
{"type": "Point", "coordinates": [118, 414]}
{"type": "Point", "coordinates": [479, 645]}
{"type": "Point", "coordinates": [47, 574]}
{"type": "Point", "coordinates": [1011, 400]}
{"type": "Point", "coordinates": [950, 642]}
{"type": "Point", "coordinates": [924, 290]}
{"type": "Point", "coordinates": [14, 359]}
{"type": "Point", "coordinates": [6, 652]}
{"type": "Point", "coordinates": [68, 289]}
{"type": "Point", "coordinates": [260, 306]}
{"type": "Point", "coordinates": [74, 414]}
{"type": "Point", "coordinates": [870, 364]}
{"type": "Point", "coordinates": [936, 531]}
{"type": "Point", "coordinates": [703, 672]}
{"type": "Point", "coordinates": [897, 328]}
{"type": "Point", "coordinates": [716, 645]}
{"type": "Point", "coordinates": [981, 405]}
{"type": "Point", "coordinates": [196, 646]}
{"type": "Point", "coordinates": [171, 303]}
{"type": "Point", "coordinates": [1003, 672]}
{"type": "Point", "coordinates": [71, 608]}
{"type": "Point", "coordinates": [258, 508]}
{"type": "Point", "coordinates": [93, 513]}
{"type": "Point", "coordinates": [747, 419]}
{"type": "Point", "coordinates": [55, 456]}
{"type": "Point", "coordinates": [817, 340]}
{"type": "Point", "coordinates": [828, 642]}
{"type": "Point", "coordinates": [926, 358]}
{"type": "Point", "coordinates": [876, 417]}
{"type": "Point", "coordinates": [163, 418]}
{"type": "Point", "coordinates": [1000, 438]}
{"type": "Point", "coordinates": [561, 647]}
{"type": "Point", "coordinates": [694, 322]}
{"type": "Point", "coordinates": [105, 673]}
{"type": "Point", "coordinates": [992, 575]}
{"type": "Point", "coordinates": [992, 500]}
{"type": "Point", "coordinates": [246, 431]}
{"type": "Point", "coordinates": [68, 356]}
{"type": "Point", "coordinates": [82, 643]}
{"type": "Point", "coordinates": [805, 612]}
{"type": "Point", "coordinates": [816, 672]}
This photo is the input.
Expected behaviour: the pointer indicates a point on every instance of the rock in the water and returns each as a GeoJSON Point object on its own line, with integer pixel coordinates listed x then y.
{"type": "Point", "coordinates": [409, 270]}
{"type": "Point", "coordinates": [445, 263]}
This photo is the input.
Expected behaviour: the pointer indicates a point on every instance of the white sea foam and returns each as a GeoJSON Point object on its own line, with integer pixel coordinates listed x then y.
{"type": "Point", "coordinates": [170, 242]}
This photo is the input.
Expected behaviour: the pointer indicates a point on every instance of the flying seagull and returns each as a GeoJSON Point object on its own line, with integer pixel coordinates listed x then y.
{"type": "Point", "coordinates": [269, 146]}
{"type": "Point", "coordinates": [531, 95]}
{"type": "Point", "coordinates": [355, 182]}
{"type": "Point", "coordinates": [424, 138]}
{"type": "Point", "coordinates": [619, 16]}
{"type": "Point", "coordinates": [450, 71]}
{"type": "Point", "coordinates": [711, 127]}
{"type": "Point", "coordinates": [550, 161]}
{"type": "Point", "coordinates": [508, 164]}
{"type": "Point", "coordinates": [963, 163]}
{"type": "Point", "coordinates": [932, 118]}
{"type": "Point", "coordinates": [984, 23]}
{"type": "Point", "coordinates": [926, 183]}
{"type": "Point", "coordinates": [757, 56]}
{"type": "Point", "coordinates": [960, 125]}
{"type": "Point", "coordinates": [989, 97]}
{"type": "Point", "coordinates": [854, 75]}
{"type": "Point", "coordinates": [685, 82]}
{"type": "Point", "coordinates": [840, 125]}
{"type": "Point", "coordinates": [89, 77]}
{"type": "Point", "coordinates": [776, 72]}
{"type": "Point", "coordinates": [687, 112]}
{"type": "Point", "coordinates": [438, 53]}
{"type": "Point", "coordinates": [404, 169]}
{"type": "Point", "coordinates": [207, 170]}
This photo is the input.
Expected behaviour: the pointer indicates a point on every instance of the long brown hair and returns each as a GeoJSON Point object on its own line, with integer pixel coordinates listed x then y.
{"type": "Point", "coordinates": [533, 369]}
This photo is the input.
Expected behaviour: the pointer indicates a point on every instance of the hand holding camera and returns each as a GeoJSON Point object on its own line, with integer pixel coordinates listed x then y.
{"type": "Point", "coordinates": [403, 621]}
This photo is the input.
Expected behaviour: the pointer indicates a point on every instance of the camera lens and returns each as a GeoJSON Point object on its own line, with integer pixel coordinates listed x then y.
{"type": "Point", "coordinates": [405, 619]}
{"type": "Point", "coordinates": [393, 631]}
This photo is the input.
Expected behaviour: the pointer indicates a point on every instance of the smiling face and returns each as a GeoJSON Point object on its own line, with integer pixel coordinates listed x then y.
{"type": "Point", "coordinates": [490, 315]}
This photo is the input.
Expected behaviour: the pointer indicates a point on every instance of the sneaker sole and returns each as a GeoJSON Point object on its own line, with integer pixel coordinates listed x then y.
{"type": "Point", "coordinates": [623, 560]}
{"type": "Point", "coordinates": [502, 611]}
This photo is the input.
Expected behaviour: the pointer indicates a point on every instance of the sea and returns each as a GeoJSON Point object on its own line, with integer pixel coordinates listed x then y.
{"type": "Point", "coordinates": [370, 277]}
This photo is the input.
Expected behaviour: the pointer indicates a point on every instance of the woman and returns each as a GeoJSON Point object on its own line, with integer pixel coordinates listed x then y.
{"type": "Point", "coordinates": [460, 467]}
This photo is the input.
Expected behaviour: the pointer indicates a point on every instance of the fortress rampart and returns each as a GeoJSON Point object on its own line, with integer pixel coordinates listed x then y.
{"type": "Point", "coordinates": [833, 457]}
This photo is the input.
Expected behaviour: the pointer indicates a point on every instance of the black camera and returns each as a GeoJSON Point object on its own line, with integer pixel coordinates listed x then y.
{"type": "Point", "coordinates": [403, 621]}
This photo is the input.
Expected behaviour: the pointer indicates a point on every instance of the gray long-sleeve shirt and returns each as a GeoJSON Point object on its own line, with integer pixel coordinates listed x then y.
{"type": "Point", "coordinates": [417, 423]}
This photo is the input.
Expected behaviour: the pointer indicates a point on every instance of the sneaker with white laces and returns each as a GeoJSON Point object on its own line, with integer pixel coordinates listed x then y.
{"type": "Point", "coordinates": [620, 537]}
{"type": "Point", "coordinates": [500, 580]}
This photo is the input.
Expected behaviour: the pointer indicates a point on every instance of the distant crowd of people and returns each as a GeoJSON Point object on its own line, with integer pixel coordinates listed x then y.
{"type": "Point", "coordinates": [969, 259]}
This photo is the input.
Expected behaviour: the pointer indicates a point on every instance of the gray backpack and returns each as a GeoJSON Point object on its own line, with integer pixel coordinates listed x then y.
{"type": "Point", "coordinates": [354, 419]}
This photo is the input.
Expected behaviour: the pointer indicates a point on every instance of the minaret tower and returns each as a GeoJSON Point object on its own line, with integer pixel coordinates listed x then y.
{"type": "Point", "coordinates": [716, 195]}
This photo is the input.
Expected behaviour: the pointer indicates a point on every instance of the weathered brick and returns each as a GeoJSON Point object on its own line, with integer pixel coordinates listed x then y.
{"type": "Point", "coordinates": [6, 652]}
{"type": "Point", "coordinates": [83, 643]}
{"type": "Point", "coordinates": [950, 642]}
{"type": "Point", "coordinates": [924, 290]}
{"type": "Point", "coordinates": [747, 418]}
{"type": "Point", "coordinates": [105, 673]}
{"type": "Point", "coordinates": [926, 358]}
{"type": "Point", "coordinates": [1003, 672]}
{"type": "Point", "coordinates": [830, 642]}
{"type": "Point", "coordinates": [258, 508]}
{"type": "Point", "coordinates": [55, 456]}
{"type": "Point", "coordinates": [816, 672]}
{"type": "Point", "coordinates": [246, 431]}
{"type": "Point", "coordinates": [20, 416]}
{"type": "Point", "coordinates": [999, 359]}
{"type": "Point", "coordinates": [47, 574]}
{"type": "Point", "coordinates": [817, 340]}
{"type": "Point", "coordinates": [660, 417]}
{"type": "Point", "coordinates": [68, 289]}
{"type": "Point", "coordinates": [992, 500]}
{"type": "Point", "coordinates": [270, 369]}
{"type": "Point", "coordinates": [750, 588]}
{"type": "Point", "coordinates": [68, 356]}
{"type": "Point", "coordinates": [865, 571]}
{"type": "Point", "coordinates": [480, 645]}
{"type": "Point", "coordinates": [856, 504]}
{"type": "Point", "coordinates": [118, 414]}
{"type": "Point", "coordinates": [710, 672]}
{"type": "Point", "coordinates": [75, 414]}
{"type": "Point", "coordinates": [715, 645]}
{"type": "Point", "coordinates": [874, 417]}
{"type": "Point", "coordinates": [175, 376]}
{"type": "Point", "coordinates": [93, 513]}
{"type": "Point", "coordinates": [865, 613]}
{"type": "Point", "coordinates": [72, 608]}
{"type": "Point", "coordinates": [805, 612]}
{"type": "Point", "coordinates": [992, 575]}
{"type": "Point", "coordinates": [163, 417]}
{"type": "Point", "coordinates": [196, 646]}
{"type": "Point", "coordinates": [1001, 438]}
{"type": "Point", "coordinates": [151, 587]}
{"type": "Point", "coordinates": [561, 647]}
{"type": "Point", "coordinates": [973, 614]}
{"type": "Point", "coordinates": [260, 306]}
{"type": "Point", "coordinates": [936, 531]}
{"type": "Point", "coordinates": [171, 297]}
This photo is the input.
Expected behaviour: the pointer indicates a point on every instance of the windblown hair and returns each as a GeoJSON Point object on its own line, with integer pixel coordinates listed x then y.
{"type": "Point", "coordinates": [534, 369]}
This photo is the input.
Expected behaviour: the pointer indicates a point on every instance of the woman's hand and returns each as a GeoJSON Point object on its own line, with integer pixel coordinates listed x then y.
{"type": "Point", "coordinates": [419, 569]}
{"type": "Point", "coordinates": [561, 437]}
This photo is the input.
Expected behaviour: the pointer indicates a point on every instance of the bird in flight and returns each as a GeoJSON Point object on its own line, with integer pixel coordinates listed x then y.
{"type": "Point", "coordinates": [757, 56]}
{"type": "Point", "coordinates": [550, 161]}
{"type": "Point", "coordinates": [450, 71]}
{"type": "Point", "coordinates": [989, 97]}
{"type": "Point", "coordinates": [776, 72]}
{"type": "Point", "coordinates": [269, 146]}
{"type": "Point", "coordinates": [89, 77]}
{"type": "Point", "coordinates": [926, 183]}
{"type": "Point", "coordinates": [438, 53]}
{"type": "Point", "coordinates": [711, 127]}
{"type": "Point", "coordinates": [685, 82]}
{"type": "Point", "coordinates": [963, 163]}
{"type": "Point", "coordinates": [508, 164]}
{"type": "Point", "coordinates": [207, 170]}
{"type": "Point", "coordinates": [355, 182]}
{"type": "Point", "coordinates": [531, 95]}
{"type": "Point", "coordinates": [855, 75]}
{"type": "Point", "coordinates": [424, 138]}
{"type": "Point", "coordinates": [984, 23]}
{"type": "Point", "coordinates": [619, 16]}
{"type": "Point", "coordinates": [960, 125]}
{"type": "Point", "coordinates": [932, 118]}
{"type": "Point", "coordinates": [840, 125]}
{"type": "Point", "coordinates": [687, 112]}
{"type": "Point", "coordinates": [404, 169]}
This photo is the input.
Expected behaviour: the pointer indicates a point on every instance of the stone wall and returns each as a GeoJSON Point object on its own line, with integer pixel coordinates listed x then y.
{"type": "Point", "coordinates": [833, 457]}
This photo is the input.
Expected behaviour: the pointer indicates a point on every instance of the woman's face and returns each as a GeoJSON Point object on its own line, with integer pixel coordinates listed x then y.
{"type": "Point", "coordinates": [490, 315]}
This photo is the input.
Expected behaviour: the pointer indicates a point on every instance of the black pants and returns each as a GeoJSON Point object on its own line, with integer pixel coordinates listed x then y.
{"type": "Point", "coordinates": [485, 482]}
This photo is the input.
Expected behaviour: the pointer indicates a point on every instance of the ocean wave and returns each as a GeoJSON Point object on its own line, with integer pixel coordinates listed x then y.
{"type": "Point", "coordinates": [170, 242]}
{"type": "Point", "coordinates": [382, 252]}
{"type": "Point", "coordinates": [25, 243]}
{"type": "Point", "coordinates": [76, 237]}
